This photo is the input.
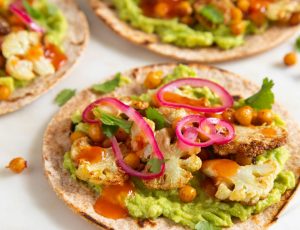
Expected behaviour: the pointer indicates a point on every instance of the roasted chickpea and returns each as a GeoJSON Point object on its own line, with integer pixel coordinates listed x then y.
{"type": "Point", "coordinates": [290, 59]}
{"type": "Point", "coordinates": [17, 165]}
{"type": "Point", "coordinates": [244, 5]}
{"type": "Point", "coordinates": [295, 19]}
{"type": "Point", "coordinates": [184, 8]}
{"type": "Point", "coordinates": [121, 135]}
{"type": "Point", "coordinates": [244, 115]}
{"type": "Point", "coordinates": [238, 28]}
{"type": "Point", "coordinates": [258, 18]}
{"type": "Point", "coordinates": [106, 143]}
{"type": "Point", "coordinates": [4, 92]}
{"type": "Point", "coordinates": [95, 133]}
{"type": "Point", "coordinates": [228, 115]}
{"type": "Point", "coordinates": [161, 10]}
{"type": "Point", "coordinates": [236, 14]}
{"type": "Point", "coordinates": [153, 79]}
{"type": "Point", "coordinates": [76, 135]}
{"type": "Point", "coordinates": [187, 193]}
{"type": "Point", "coordinates": [132, 160]}
{"type": "Point", "coordinates": [265, 116]}
{"type": "Point", "coordinates": [187, 20]}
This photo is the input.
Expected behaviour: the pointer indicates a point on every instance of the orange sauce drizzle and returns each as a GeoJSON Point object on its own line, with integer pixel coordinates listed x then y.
{"type": "Point", "coordinates": [269, 132]}
{"type": "Point", "coordinates": [34, 53]}
{"type": "Point", "coordinates": [92, 154]}
{"type": "Point", "coordinates": [57, 57]}
{"type": "Point", "coordinates": [111, 203]}
{"type": "Point", "coordinates": [222, 168]}
{"type": "Point", "coordinates": [176, 98]}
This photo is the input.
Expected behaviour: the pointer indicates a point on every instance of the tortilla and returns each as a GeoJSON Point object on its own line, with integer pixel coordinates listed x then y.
{"type": "Point", "coordinates": [254, 44]}
{"type": "Point", "coordinates": [81, 199]}
{"type": "Point", "coordinates": [74, 44]}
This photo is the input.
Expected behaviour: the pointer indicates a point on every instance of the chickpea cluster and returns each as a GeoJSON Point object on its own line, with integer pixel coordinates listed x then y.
{"type": "Point", "coordinates": [247, 116]}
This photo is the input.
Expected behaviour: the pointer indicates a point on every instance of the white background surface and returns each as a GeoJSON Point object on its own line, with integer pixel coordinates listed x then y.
{"type": "Point", "coordinates": [28, 202]}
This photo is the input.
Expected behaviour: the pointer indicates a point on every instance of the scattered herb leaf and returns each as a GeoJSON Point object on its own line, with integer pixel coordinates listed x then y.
{"type": "Point", "coordinates": [64, 96]}
{"type": "Point", "coordinates": [111, 85]}
{"type": "Point", "coordinates": [110, 120]}
{"type": "Point", "coordinates": [212, 14]}
{"type": "Point", "coordinates": [264, 98]}
{"type": "Point", "coordinates": [157, 117]}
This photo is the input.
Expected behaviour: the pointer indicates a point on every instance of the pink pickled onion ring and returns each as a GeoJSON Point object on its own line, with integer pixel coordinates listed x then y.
{"type": "Point", "coordinates": [17, 9]}
{"type": "Point", "coordinates": [184, 131]}
{"type": "Point", "coordinates": [226, 98]}
{"type": "Point", "coordinates": [137, 118]}
{"type": "Point", "coordinates": [215, 134]}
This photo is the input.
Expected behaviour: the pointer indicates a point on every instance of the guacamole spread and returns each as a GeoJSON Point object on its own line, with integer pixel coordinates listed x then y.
{"type": "Point", "coordinates": [197, 23]}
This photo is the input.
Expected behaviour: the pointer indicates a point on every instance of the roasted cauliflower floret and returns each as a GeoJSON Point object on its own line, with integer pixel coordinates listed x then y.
{"type": "Point", "coordinates": [173, 115]}
{"type": "Point", "coordinates": [20, 69]}
{"type": "Point", "coordinates": [18, 43]}
{"type": "Point", "coordinates": [43, 67]}
{"type": "Point", "coordinates": [247, 184]}
{"type": "Point", "coordinates": [104, 171]}
{"type": "Point", "coordinates": [21, 63]}
{"type": "Point", "coordinates": [178, 171]}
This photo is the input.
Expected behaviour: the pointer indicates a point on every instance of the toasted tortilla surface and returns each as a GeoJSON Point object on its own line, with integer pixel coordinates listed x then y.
{"type": "Point", "coordinates": [80, 199]}
{"type": "Point", "coordinates": [74, 44]}
{"type": "Point", "coordinates": [254, 44]}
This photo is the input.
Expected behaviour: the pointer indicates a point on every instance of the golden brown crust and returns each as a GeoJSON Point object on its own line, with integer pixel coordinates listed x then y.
{"type": "Point", "coordinates": [74, 44]}
{"type": "Point", "coordinates": [251, 142]}
{"type": "Point", "coordinates": [254, 44]}
{"type": "Point", "coordinates": [80, 199]}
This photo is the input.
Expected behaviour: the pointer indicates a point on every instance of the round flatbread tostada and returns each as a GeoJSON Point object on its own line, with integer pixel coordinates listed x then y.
{"type": "Point", "coordinates": [123, 154]}
{"type": "Point", "coordinates": [203, 31]}
{"type": "Point", "coordinates": [40, 43]}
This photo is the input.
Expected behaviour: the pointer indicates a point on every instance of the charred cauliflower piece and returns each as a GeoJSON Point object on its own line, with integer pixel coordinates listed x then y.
{"type": "Point", "coordinates": [246, 184]}
{"type": "Point", "coordinates": [101, 172]}
{"type": "Point", "coordinates": [178, 171]}
{"type": "Point", "coordinates": [253, 141]}
{"type": "Point", "coordinates": [173, 115]}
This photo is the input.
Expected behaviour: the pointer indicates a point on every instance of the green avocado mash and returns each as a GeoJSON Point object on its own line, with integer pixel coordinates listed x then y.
{"type": "Point", "coordinates": [154, 203]}
{"type": "Point", "coordinates": [172, 31]}
{"type": "Point", "coordinates": [51, 18]}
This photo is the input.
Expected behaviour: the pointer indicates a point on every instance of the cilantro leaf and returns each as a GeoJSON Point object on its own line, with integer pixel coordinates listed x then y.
{"type": "Point", "coordinates": [155, 164]}
{"type": "Point", "coordinates": [64, 96]}
{"type": "Point", "coordinates": [264, 98]}
{"type": "Point", "coordinates": [111, 85]}
{"type": "Point", "coordinates": [204, 225]}
{"type": "Point", "coordinates": [212, 14]}
{"type": "Point", "coordinates": [109, 130]}
{"type": "Point", "coordinates": [110, 120]}
{"type": "Point", "coordinates": [297, 44]}
{"type": "Point", "coordinates": [157, 117]}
